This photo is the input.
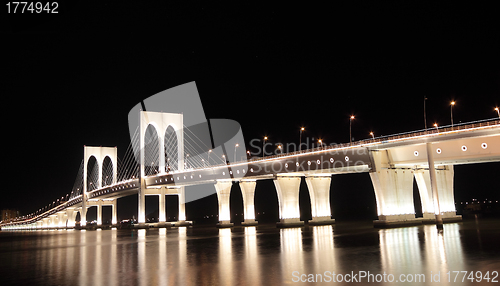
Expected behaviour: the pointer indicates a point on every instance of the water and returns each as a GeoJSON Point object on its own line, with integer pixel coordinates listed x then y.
{"type": "Point", "coordinates": [260, 255]}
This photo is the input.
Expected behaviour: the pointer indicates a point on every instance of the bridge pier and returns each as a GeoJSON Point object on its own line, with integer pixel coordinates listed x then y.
{"type": "Point", "coordinates": [319, 192]}
{"type": "Point", "coordinates": [141, 203]}
{"type": "Point", "coordinates": [287, 188]}
{"type": "Point", "coordinates": [162, 211]}
{"type": "Point", "coordinates": [162, 216]}
{"type": "Point", "coordinates": [46, 222]}
{"type": "Point", "coordinates": [114, 218]}
{"type": "Point", "coordinates": [181, 216]}
{"type": "Point", "coordinates": [61, 219]}
{"type": "Point", "coordinates": [248, 192]}
{"type": "Point", "coordinates": [444, 184]}
{"type": "Point", "coordinates": [71, 215]}
{"type": "Point", "coordinates": [393, 191]}
{"type": "Point", "coordinates": [99, 212]}
{"type": "Point", "coordinates": [223, 189]}
{"type": "Point", "coordinates": [182, 206]}
{"type": "Point", "coordinates": [53, 221]}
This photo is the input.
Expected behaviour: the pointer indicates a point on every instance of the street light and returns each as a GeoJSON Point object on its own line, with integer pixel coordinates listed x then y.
{"type": "Point", "coordinates": [373, 136]}
{"type": "Point", "coordinates": [425, 115]}
{"type": "Point", "coordinates": [280, 148]}
{"type": "Point", "coordinates": [498, 111]}
{"type": "Point", "coordinates": [263, 146]}
{"type": "Point", "coordinates": [436, 125]}
{"type": "Point", "coordinates": [209, 151]}
{"type": "Point", "coordinates": [320, 143]}
{"type": "Point", "coordinates": [302, 129]}
{"type": "Point", "coordinates": [451, 108]}
{"type": "Point", "coordinates": [350, 129]}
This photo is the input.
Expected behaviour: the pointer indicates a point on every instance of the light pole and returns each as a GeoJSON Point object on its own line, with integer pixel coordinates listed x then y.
{"type": "Point", "coordinates": [498, 111]}
{"type": "Point", "coordinates": [451, 109]}
{"type": "Point", "coordinates": [373, 136]}
{"type": "Point", "coordinates": [425, 115]}
{"type": "Point", "coordinates": [350, 128]}
{"type": "Point", "coordinates": [235, 146]}
{"type": "Point", "coordinates": [436, 125]}
{"type": "Point", "coordinates": [300, 137]}
{"type": "Point", "coordinates": [264, 146]}
{"type": "Point", "coordinates": [209, 151]}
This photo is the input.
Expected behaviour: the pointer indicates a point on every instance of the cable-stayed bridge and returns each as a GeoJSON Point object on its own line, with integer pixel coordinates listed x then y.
{"type": "Point", "coordinates": [164, 157]}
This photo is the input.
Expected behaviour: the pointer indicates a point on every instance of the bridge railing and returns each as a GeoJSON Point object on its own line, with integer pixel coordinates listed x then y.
{"type": "Point", "coordinates": [380, 139]}
{"type": "Point", "coordinates": [429, 131]}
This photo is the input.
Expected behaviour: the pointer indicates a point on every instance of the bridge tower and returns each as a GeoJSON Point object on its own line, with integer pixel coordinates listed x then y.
{"type": "Point", "coordinates": [160, 122]}
{"type": "Point", "coordinates": [99, 153]}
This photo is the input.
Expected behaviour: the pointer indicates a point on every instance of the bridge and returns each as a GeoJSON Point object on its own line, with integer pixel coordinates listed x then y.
{"type": "Point", "coordinates": [165, 156]}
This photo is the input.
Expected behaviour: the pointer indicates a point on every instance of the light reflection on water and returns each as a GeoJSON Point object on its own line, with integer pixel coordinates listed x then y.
{"type": "Point", "coordinates": [253, 255]}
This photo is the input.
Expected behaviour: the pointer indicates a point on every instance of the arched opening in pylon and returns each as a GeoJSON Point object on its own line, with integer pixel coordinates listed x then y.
{"type": "Point", "coordinates": [107, 172]}
{"type": "Point", "coordinates": [171, 150]}
{"type": "Point", "coordinates": [151, 151]}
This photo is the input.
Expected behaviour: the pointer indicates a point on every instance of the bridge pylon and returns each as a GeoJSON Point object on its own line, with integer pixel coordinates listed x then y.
{"type": "Point", "coordinates": [99, 153]}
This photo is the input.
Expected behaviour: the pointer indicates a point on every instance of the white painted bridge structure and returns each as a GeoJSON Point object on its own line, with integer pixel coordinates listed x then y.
{"type": "Point", "coordinates": [162, 165]}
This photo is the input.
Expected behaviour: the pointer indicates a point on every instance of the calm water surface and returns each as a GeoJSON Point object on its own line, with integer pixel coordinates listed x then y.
{"type": "Point", "coordinates": [260, 255]}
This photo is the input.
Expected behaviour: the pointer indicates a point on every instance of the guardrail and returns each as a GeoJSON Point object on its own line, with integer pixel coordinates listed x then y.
{"type": "Point", "coordinates": [434, 130]}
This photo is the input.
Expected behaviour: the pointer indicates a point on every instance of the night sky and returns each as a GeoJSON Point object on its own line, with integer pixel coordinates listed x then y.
{"type": "Point", "coordinates": [70, 80]}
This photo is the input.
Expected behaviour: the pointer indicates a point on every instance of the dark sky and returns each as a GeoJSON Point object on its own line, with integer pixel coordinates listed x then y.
{"type": "Point", "coordinates": [70, 79]}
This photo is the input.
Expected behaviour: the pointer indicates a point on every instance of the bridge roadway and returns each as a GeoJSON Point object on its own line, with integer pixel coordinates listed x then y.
{"type": "Point", "coordinates": [465, 144]}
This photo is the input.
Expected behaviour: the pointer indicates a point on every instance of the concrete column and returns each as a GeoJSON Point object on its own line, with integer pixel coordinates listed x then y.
{"type": "Point", "coordinates": [444, 180]}
{"type": "Point", "coordinates": [39, 224]}
{"type": "Point", "coordinates": [114, 218]}
{"type": "Point", "coordinates": [141, 208]}
{"type": "Point", "coordinates": [141, 200]}
{"type": "Point", "coordinates": [61, 219]}
{"type": "Point", "coordinates": [248, 193]}
{"type": "Point", "coordinates": [422, 178]}
{"type": "Point", "coordinates": [393, 191]}
{"type": "Point", "coordinates": [46, 222]}
{"type": "Point", "coordinates": [433, 179]}
{"type": "Point", "coordinates": [71, 215]}
{"type": "Point", "coordinates": [161, 202]}
{"type": "Point", "coordinates": [53, 221]}
{"type": "Point", "coordinates": [287, 188]}
{"type": "Point", "coordinates": [99, 212]}
{"type": "Point", "coordinates": [319, 191]}
{"type": "Point", "coordinates": [182, 205]}
{"type": "Point", "coordinates": [223, 189]}
{"type": "Point", "coordinates": [446, 193]}
{"type": "Point", "coordinates": [83, 216]}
